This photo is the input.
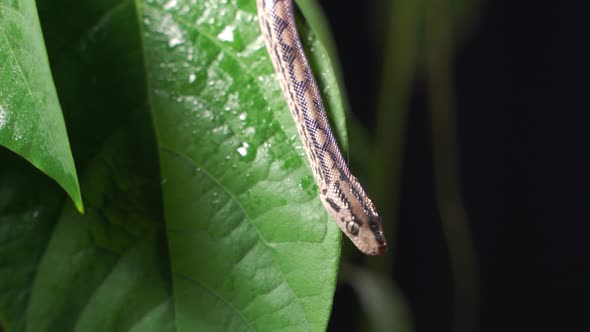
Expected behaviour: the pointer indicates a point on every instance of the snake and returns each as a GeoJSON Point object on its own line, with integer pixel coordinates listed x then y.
{"type": "Point", "coordinates": [341, 193]}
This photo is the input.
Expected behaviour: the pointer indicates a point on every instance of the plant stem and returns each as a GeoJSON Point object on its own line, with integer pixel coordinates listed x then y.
{"type": "Point", "coordinates": [439, 45]}
{"type": "Point", "coordinates": [398, 71]}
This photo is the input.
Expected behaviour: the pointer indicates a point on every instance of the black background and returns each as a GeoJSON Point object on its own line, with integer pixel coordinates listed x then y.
{"type": "Point", "coordinates": [521, 88]}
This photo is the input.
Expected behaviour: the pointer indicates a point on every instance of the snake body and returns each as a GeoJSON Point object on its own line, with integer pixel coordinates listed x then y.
{"type": "Point", "coordinates": [340, 192]}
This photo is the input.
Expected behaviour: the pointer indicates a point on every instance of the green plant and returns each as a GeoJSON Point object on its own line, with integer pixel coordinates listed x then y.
{"type": "Point", "coordinates": [193, 181]}
{"type": "Point", "coordinates": [191, 206]}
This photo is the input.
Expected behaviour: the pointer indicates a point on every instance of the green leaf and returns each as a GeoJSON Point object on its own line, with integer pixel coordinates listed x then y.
{"type": "Point", "coordinates": [210, 222]}
{"type": "Point", "coordinates": [236, 183]}
{"type": "Point", "coordinates": [31, 122]}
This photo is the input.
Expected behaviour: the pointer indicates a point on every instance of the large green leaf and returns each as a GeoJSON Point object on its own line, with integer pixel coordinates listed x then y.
{"type": "Point", "coordinates": [31, 122]}
{"type": "Point", "coordinates": [237, 192]}
{"type": "Point", "coordinates": [229, 235]}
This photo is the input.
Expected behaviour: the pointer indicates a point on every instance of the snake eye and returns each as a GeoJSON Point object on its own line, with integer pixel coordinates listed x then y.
{"type": "Point", "coordinates": [352, 227]}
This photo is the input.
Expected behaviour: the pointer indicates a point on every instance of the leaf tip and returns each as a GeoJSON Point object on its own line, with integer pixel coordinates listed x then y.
{"type": "Point", "coordinates": [80, 207]}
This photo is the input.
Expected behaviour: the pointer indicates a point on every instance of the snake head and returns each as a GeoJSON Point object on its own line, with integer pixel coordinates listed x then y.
{"type": "Point", "coordinates": [348, 203]}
